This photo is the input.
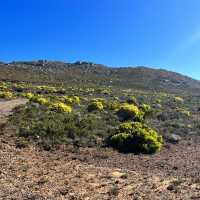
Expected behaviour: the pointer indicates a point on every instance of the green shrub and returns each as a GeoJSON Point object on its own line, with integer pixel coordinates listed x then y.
{"type": "Point", "coordinates": [179, 99]}
{"type": "Point", "coordinates": [61, 107]}
{"type": "Point", "coordinates": [132, 100]}
{"type": "Point", "coordinates": [130, 112]}
{"type": "Point", "coordinates": [6, 95]}
{"type": "Point", "coordinates": [72, 99]}
{"type": "Point", "coordinates": [145, 108]}
{"type": "Point", "coordinates": [115, 105]}
{"type": "Point", "coordinates": [76, 100]}
{"type": "Point", "coordinates": [46, 89]}
{"type": "Point", "coordinates": [96, 105]}
{"type": "Point", "coordinates": [49, 129]}
{"type": "Point", "coordinates": [102, 100]}
{"type": "Point", "coordinates": [184, 112]}
{"type": "Point", "coordinates": [136, 137]}
{"type": "Point", "coordinates": [28, 95]}
{"type": "Point", "coordinates": [40, 100]}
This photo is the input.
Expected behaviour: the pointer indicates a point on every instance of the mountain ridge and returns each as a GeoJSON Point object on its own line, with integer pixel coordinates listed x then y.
{"type": "Point", "coordinates": [87, 72]}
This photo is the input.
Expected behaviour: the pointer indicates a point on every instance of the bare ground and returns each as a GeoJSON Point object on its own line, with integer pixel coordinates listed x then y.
{"type": "Point", "coordinates": [97, 174]}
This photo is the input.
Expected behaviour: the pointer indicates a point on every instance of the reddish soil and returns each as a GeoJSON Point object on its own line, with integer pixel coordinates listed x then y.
{"type": "Point", "coordinates": [97, 174]}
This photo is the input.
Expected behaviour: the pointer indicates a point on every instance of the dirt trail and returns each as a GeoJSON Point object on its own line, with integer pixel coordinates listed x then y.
{"type": "Point", "coordinates": [6, 107]}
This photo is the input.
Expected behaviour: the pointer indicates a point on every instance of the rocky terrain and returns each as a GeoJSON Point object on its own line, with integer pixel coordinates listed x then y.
{"type": "Point", "coordinates": [58, 121]}
{"type": "Point", "coordinates": [91, 173]}
{"type": "Point", "coordinates": [43, 71]}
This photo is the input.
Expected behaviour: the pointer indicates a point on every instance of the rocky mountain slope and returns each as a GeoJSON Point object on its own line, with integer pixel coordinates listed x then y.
{"type": "Point", "coordinates": [85, 72]}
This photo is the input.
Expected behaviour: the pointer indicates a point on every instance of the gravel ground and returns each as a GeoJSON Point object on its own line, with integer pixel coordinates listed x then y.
{"type": "Point", "coordinates": [97, 174]}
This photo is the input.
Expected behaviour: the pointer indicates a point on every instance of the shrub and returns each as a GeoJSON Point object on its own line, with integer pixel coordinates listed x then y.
{"type": "Point", "coordinates": [46, 89]}
{"type": "Point", "coordinates": [61, 107]}
{"type": "Point", "coordinates": [28, 95]}
{"type": "Point", "coordinates": [40, 100]}
{"type": "Point", "coordinates": [184, 112]}
{"type": "Point", "coordinates": [6, 95]}
{"type": "Point", "coordinates": [49, 129]}
{"type": "Point", "coordinates": [102, 100]}
{"type": "Point", "coordinates": [130, 111]}
{"type": "Point", "coordinates": [115, 105]}
{"type": "Point", "coordinates": [179, 99]}
{"type": "Point", "coordinates": [96, 105]}
{"type": "Point", "coordinates": [136, 137]}
{"type": "Point", "coordinates": [72, 99]}
{"type": "Point", "coordinates": [145, 108]}
{"type": "Point", "coordinates": [3, 86]}
{"type": "Point", "coordinates": [76, 100]}
{"type": "Point", "coordinates": [132, 100]}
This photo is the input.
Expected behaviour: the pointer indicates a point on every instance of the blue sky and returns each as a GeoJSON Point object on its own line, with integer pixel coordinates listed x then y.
{"type": "Point", "coordinates": [156, 33]}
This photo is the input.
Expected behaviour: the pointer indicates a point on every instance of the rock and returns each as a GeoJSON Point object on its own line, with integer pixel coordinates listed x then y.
{"type": "Point", "coordinates": [117, 174]}
{"type": "Point", "coordinates": [157, 106]}
{"type": "Point", "coordinates": [173, 138]}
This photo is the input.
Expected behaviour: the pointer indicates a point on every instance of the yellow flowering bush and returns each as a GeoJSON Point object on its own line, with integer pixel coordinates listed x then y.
{"type": "Point", "coordinates": [136, 137]}
{"type": "Point", "coordinates": [61, 107]}
{"type": "Point", "coordinates": [72, 99]}
{"type": "Point", "coordinates": [132, 100]}
{"type": "Point", "coordinates": [96, 105]}
{"type": "Point", "coordinates": [145, 108]}
{"type": "Point", "coordinates": [179, 99]}
{"type": "Point", "coordinates": [28, 95]}
{"type": "Point", "coordinates": [6, 95]}
{"type": "Point", "coordinates": [39, 99]}
{"type": "Point", "coordinates": [130, 111]}
{"type": "Point", "coordinates": [184, 112]}
{"type": "Point", "coordinates": [115, 105]}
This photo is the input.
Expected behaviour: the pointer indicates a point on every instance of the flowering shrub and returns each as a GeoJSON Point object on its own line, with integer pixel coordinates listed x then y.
{"type": "Point", "coordinates": [40, 100]}
{"type": "Point", "coordinates": [145, 108]}
{"type": "Point", "coordinates": [132, 100]}
{"type": "Point", "coordinates": [95, 105]}
{"type": "Point", "coordinates": [184, 112]}
{"type": "Point", "coordinates": [6, 95]}
{"type": "Point", "coordinates": [72, 99]}
{"type": "Point", "coordinates": [115, 105]}
{"type": "Point", "coordinates": [102, 100]}
{"type": "Point", "coordinates": [61, 107]}
{"type": "Point", "coordinates": [179, 99]}
{"type": "Point", "coordinates": [46, 88]}
{"type": "Point", "coordinates": [136, 137]}
{"type": "Point", "coordinates": [130, 111]}
{"type": "Point", "coordinates": [28, 95]}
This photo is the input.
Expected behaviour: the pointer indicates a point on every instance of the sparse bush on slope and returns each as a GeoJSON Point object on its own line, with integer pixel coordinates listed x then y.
{"type": "Point", "coordinates": [40, 100]}
{"type": "Point", "coordinates": [48, 129]}
{"type": "Point", "coordinates": [61, 107]}
{"type": "Point", "coordinates": [130, 112]}
{"type": "Point", "coordinates": [145, 108]}
{"type": "Point", "coordinates": [72, 100]}
{"type": "Point", "coordinates": [6, 95]}
{"type": "Point", "coordinates": [95, 105]}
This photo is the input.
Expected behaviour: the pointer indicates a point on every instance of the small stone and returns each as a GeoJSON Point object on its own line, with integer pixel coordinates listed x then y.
{"type": "Point", "coordinates": [117, 174]}
{"type": "Point", "coordinates": [174, 138]}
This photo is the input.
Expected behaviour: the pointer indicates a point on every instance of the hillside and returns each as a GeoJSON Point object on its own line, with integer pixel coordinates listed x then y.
{"type": "Point", "coordinates": [85, 72]}
{"type": "Point", "coordinates": [86, 131]}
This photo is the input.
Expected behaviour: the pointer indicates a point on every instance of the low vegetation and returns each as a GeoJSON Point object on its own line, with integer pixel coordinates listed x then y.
{"type": "Point", "coordinates": [136, 137]}
{"type": "Point", "coordinates": [128, 120]}
{"type": "Point", "coordinates": [49, 128]}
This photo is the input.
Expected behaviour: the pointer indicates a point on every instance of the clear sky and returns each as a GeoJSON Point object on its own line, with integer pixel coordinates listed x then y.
{"type": "Point", "coordinates": [156, 33]}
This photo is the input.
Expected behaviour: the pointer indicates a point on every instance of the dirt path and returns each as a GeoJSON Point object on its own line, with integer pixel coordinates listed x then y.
{"type": "Point", "coordinates": [6, 107]}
